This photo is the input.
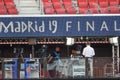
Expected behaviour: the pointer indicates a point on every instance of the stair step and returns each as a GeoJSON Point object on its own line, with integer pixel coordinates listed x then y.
{"type": "Point", "coordinates": [30, 4]}
{"type": "Point", "coordinates": [27, 7]}
{"type": "Point", "coordinates": [29, 10]}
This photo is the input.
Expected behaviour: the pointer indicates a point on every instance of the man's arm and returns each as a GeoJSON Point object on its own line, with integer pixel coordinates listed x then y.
{"type": "Point", "coordinates": [83, 53]}
{"type": "Point", "coordinates": [50, 58]}
{"type": "Point", "coordinates": [56, 54]}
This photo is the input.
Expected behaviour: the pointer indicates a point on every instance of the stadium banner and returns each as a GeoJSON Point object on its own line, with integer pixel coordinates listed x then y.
{"type": "Point", "coordinates": [38, 26]}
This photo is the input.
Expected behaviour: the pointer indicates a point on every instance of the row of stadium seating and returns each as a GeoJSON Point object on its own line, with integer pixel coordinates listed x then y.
{"type": "Point", "coordinates": [66, 7]}
{"type": "Point", "coordinates": [81, 6]}
{"type": "Point", "coordinates": [8, 7]}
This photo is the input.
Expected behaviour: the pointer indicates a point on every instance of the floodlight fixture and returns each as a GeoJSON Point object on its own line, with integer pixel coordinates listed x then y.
{"type": "Point", "coordinates": [114, 40]}
{"type": "Point", "coordinates": [69, 41]}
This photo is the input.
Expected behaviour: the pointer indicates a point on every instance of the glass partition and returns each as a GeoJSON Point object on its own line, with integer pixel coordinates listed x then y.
{"type": "Point", "coordinates": [57, 68]}
{"type": "Point", "coordinates": [10, 68]}
{"type": "Point", "coordinates": [66, 68]}
{"type": "Point", "coordinates": [30, 68]}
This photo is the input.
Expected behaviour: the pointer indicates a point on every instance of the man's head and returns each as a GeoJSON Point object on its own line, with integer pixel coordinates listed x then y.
{"type": "Point", "coordinates": [88, 44]}
{"type": "Point", "coordinates": [57, 49]}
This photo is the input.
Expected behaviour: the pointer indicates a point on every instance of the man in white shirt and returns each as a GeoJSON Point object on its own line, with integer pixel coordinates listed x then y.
{"type": "Point", "coordinates": [88, 53]}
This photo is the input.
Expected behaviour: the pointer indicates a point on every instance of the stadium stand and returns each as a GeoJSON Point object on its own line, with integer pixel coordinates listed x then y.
{"type": "Point", "coordinates": [113, 2]}
{"type": "Point", "coordinates": [49, 10]}
{"type": "Point", "coordinates": [71, 10]}
{"type": "Point", "coordinates": [104, 10]}
{"type": "Point", "coordinates": [114, 9]}
{"type": "Point", "coordinates": [1, 4]}
{"type": "Point", "coordinates": [8, 7]}
{"type": "Point", "coordinates": [82, 6]}
{"type": "Point", "coordinates": [3, 11]}
{"type": "Point", "coordinates": [18, 7]}
{"type": "Point", "coordinates": [9, 3]}
{"type": "Point", "coordinates": [60, 10]}
{"type": "Point", "coordinates": [12, 11]}
{"type": "Point", "coordinates": [94, 10]}
{"type": "Point", "coordinates": [103, 4]}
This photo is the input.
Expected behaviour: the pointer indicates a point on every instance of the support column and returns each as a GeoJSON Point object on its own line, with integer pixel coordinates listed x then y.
{"type": "Point", "coordinates": [115, 56]}
{"type": "Point", "coordinates": [32, 41]}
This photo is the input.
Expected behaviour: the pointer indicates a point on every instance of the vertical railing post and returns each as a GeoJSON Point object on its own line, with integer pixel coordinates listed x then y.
{"type": "Point", "coordinates": [3, 68]}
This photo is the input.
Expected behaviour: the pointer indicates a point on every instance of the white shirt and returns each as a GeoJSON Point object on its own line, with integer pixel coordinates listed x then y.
{"type": "Point", "coordinates": [88, 51]}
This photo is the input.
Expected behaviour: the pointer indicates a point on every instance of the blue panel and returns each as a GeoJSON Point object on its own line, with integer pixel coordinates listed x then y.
{"type": "Point", "coordinates": [27, 68]}
{"type": "Point", "coordinates": [60, 26]}
{"type": "Point", "coordinates": [15, 68]}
